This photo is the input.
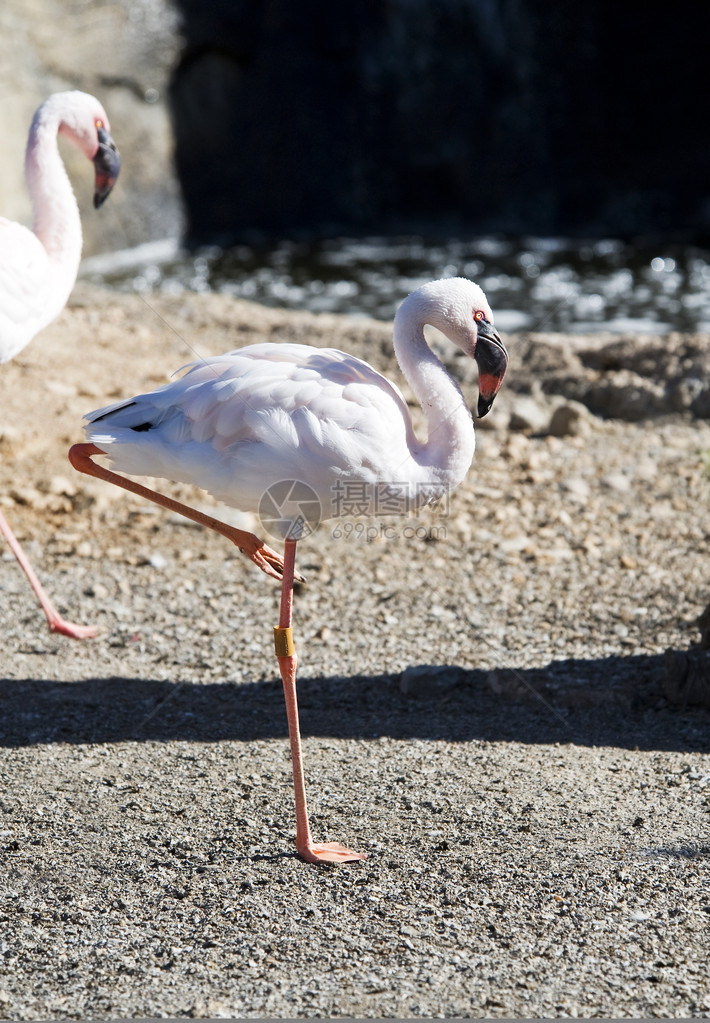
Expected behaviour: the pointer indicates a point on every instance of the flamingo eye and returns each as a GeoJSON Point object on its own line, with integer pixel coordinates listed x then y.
{"type": "Point", "coordinates": [99, 123]}
{"type": "Point", "coordinates": [478, 315]}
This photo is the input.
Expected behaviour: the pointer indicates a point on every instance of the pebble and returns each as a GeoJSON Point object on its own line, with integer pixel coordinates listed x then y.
{"type": "Point", "coordinates": [527, 414]}
{"type": "Point", "coordinates": [61, 486]}
{"type": "Point", "coordinates": [570, 420]}
{"type": "Point", "coordinates": [576, 486]}
{"type": "Point", "coordinates": [617, 481]}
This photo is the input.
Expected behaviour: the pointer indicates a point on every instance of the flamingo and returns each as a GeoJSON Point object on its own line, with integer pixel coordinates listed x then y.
{"type": "Point", "coordinates": [295, 433]}
{"type": "Point", "coordinates": [38, 268]}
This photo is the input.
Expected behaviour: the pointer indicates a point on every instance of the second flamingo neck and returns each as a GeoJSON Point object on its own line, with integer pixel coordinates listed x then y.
{"type": "Point", "coordinates": [56, 219]}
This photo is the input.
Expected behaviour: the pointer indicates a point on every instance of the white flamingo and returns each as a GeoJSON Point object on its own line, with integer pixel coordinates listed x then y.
{"type": "Point", "coordinates": [38, 268]}
{"type": "Point", "coordinates": [299, 434]}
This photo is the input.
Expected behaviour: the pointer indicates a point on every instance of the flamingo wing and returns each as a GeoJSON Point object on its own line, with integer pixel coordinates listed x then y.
{"type": "Point", "coordinates": [235, 424]}
{"type": "Point", "coordinates": [24, 282]}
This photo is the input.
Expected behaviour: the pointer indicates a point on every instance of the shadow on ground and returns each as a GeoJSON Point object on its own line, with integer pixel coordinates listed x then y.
{"type": "Point", "coordinates": [613, 701]}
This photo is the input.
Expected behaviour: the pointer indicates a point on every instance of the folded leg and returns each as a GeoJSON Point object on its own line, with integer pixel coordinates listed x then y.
{"type": "Point", "coordinates": [248, 543]}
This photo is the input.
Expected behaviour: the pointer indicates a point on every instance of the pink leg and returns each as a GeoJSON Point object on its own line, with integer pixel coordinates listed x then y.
{"type": "Point", "coordinates": [331, 852]}
{"type": "Point", "coordinates": [267, 560]}
{"type": "Point", "coordinates": [54, 620]}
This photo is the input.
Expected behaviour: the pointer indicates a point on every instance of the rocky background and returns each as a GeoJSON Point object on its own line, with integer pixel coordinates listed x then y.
{"type": "Point", "coordinates": [121, 51]}
{"type": "Point", "coordinates": [443, 117]}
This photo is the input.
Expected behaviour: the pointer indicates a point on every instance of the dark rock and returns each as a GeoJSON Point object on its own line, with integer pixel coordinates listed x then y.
{"type": "Point", "coordinates": [703, 623]}
{"type": "Point", "coordinates": [429, 679]}
{"type": "Point", "coordinates": [687, 678]}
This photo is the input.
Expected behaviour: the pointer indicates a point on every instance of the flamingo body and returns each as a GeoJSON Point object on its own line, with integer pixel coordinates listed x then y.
{"type": "Point", "coordinates": [243, 423]}
{"type": "Point", "coordinates": [26, 305]}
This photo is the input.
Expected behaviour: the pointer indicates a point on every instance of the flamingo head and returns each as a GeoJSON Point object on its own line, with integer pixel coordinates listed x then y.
{"type": "Point", "coordinates": [84, 122]}
{"type": "Point", "coordinates": [459, 308]}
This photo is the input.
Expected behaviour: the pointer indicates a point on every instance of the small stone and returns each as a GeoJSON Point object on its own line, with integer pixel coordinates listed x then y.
{"type": "Point", "coordinates": [29, 496]}
{"type": "Point", "coordinates": [617, 481]}
{"type": "Point", "coordinates": [61, 486]}
{"type": "Point", "coordinates": [576, 486]}
{"type": "Point", "coordinates": [517, 447]}
{"type": "Point", "coordinates": [515, 543]}
{"type": "Point", "coordinates": [528, 414]}
{"type": "Point", "coordinates": [61, 388]}
{"type": "Point", "coordinates": [570, 420]}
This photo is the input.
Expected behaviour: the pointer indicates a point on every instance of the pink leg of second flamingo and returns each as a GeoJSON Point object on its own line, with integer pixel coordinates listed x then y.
{"type": "Point", "coordinates": [54, 620]}
{"type": "Point", "coordinates": [329, 852]}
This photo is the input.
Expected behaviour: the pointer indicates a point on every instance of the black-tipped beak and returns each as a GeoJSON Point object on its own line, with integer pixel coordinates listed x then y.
{"type": "Point", "coordinates": [492, 359]}
{"type": "Point", "coordinates": [107, 164]}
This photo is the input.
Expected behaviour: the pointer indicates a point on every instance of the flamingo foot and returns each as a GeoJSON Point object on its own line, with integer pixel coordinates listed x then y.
{"type": "Point", "coordinates": [267, 559]}
{"type": "Point", "coordinates": [328, 852]}
{"type": "Point", "coordinates": [64, 628]}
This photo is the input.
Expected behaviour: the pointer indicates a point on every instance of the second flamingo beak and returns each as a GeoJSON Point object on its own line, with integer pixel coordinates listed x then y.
{"type": "Point", "coordinates": [107, 164]}
{"type": "Point", "coordinates": [492, 359]}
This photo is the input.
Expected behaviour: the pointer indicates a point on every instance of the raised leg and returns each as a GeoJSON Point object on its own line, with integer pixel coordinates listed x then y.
{"type": "Point", "coordinates": [248, 543]}
{"type": "Point", "coordinates": [330, 852]}
{"type": "Point", "coordinates": [54, 620]}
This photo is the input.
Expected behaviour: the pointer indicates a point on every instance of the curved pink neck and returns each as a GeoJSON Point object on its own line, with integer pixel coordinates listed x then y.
{"type": "Point", "coordinates": [448, 450]}
{"type": "Point", "coordinates": [56, 219]}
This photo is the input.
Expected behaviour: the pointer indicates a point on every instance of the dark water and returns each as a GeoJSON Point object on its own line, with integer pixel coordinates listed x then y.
{"type": "Point", "coordinates": [531, 283]}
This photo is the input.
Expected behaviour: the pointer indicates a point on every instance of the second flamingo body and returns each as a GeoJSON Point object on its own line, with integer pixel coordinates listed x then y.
{"type": "Point", "coordinates": [38, 267]}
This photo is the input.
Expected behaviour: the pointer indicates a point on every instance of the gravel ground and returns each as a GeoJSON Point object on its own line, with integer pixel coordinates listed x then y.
{"type": "Point", "coordinates": [488, 703]}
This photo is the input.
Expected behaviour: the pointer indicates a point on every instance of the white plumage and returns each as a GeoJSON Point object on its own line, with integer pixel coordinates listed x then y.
{"type": "Point", "coordinates": [237, 424]}
{"type": "Point", "coordinates": [38, 268]}
{"type": "Point", "coordinates": [240, 423]}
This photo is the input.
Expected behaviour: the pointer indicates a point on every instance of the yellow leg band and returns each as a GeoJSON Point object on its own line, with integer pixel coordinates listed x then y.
{"type": "Point", "coordinates": [283, 642]}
